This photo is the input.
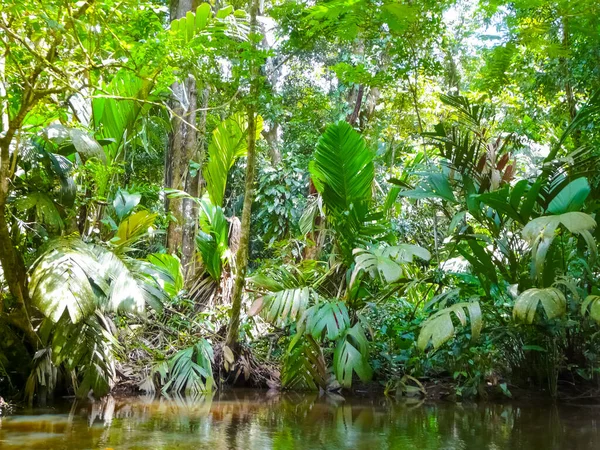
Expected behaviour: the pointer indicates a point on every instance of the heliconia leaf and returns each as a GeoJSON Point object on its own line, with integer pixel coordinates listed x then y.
{"type": "Point", "coordinates": [552, 300]}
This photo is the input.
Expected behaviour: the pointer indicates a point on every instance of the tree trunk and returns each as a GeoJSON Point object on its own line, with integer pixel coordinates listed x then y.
{"type": "Point", "coordinates": [241, 256]}
{"type": "Point", "coordinates": [11, 262]}
{"type": "Point", "coordinates": [182, 148]}
{"type": "Point", "coordinates": [272, 139]}
{"type": "Point", "coordinates": [351, 119]}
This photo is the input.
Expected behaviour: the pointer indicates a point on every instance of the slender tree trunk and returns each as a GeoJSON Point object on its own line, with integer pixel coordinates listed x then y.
{"type": "Point", "coordinates": [564, 61]}
{"type": "Point", "coordinates": [182, 149]}
{"type": "Point", "coordinates": [193, 186]}
{"type": "Point", "coordinates": [241, 256]}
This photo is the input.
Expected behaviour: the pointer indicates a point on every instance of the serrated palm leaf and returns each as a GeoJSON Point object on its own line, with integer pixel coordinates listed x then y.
{"type": "Point", "coordinates": [351, 356]}
{"type": "Point", "coordinates": [166, 270]}
{"type": "Point", "coordinates": [129, 289]}
{"type": "Point", "coordinates": [342, 171]}
{"type": "Point", "coordinates": [283, 306]}
{"type": "Point", "coordinates": [551, 299]}
{"type": "Point", "coordinates": [591, 306]}
{"type": "Point", "coordinates": [132, 229]}
{"type": "Point", "coordinates": [328, 319]}
{"type": "Point", "coordinates": [67, 277]}
{"type": "Point", "coordinates": [229, 142]}
{"type": "Point", "coordinates": [87, 348]}
{"type": "Point", "coordinates": [439, 328]}
{"type": "Point", "coordinates": [540, 233]}
{"type": "Point", "coordinates": [303, 366]}
{"type": "Point", "coordinates": [190, 370]}
{"type": "Point", "coordinates": [387, 262]}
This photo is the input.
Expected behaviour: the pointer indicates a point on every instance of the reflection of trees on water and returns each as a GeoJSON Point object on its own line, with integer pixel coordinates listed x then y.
{"type": "Point", "coordinates": [254, 419]}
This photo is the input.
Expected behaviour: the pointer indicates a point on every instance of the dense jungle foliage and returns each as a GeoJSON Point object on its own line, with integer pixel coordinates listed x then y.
{"type": "Point", "coordinates": [301, 195]}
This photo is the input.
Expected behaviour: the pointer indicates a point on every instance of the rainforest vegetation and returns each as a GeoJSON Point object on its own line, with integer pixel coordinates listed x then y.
{"type": "Point", "coordinates": [299, 195]}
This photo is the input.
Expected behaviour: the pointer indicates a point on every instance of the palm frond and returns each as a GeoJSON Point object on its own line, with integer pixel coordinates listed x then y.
{"type": "Point", "coordinates": [212, 238]}
{"type": "Point", "coordinates": [87, 348]}
{"type": "Point", "coordinates": [132, 229]}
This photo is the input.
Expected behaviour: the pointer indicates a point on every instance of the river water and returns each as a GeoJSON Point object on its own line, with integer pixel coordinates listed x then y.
{"type": "Point", "coordinates": [260, 420]}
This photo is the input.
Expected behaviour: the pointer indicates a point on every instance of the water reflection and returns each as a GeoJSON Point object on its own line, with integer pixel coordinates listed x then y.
{"type": "Point", "coordinates": [271, 420]}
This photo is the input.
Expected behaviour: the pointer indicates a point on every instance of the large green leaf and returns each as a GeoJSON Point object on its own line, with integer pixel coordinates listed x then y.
{"type": "Point", "coordinates": [552, 300]}
{"type": "Point", "coordinates": [124, 202]}
{"type": "Point", "coordinates": [434, 186]}
{"type": "Point", "coordinates": [591, 305]}
{"type": "Point", "coordinates": [439, 328]}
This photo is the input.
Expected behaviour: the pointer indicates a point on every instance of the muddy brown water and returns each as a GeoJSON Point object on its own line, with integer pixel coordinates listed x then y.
{"type": "Point", "coordinates": [261, 420]}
